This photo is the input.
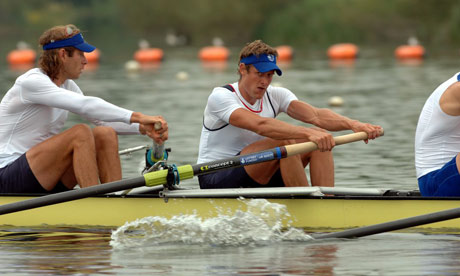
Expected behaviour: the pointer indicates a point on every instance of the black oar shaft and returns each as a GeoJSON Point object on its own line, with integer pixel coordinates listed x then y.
{"type": "Point", "coordinates": [394, 225]}
{"type": "Point", "coordinates": [240, 160]}
{"type": "Point", "coordinates": [71, 195]}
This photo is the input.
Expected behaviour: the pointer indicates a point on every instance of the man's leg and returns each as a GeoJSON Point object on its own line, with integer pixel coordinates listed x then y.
{"type": "Point", "coordinates": [52, 160]}
{"type": "Point", "coordinates": [108, 159]}
{"type": "Point", "coordinates": [292, 169]}
{"type": "Point", "coordinates": [321, 168]}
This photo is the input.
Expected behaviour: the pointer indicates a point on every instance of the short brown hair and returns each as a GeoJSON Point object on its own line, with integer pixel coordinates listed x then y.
{"type": "Point", "coordinates": [49, 61]}
{"type": "Point", "coordinates": [257, 47]}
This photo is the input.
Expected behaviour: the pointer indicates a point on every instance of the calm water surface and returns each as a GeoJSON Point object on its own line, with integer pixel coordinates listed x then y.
{"type": "Point", "coordinates": [380, 91]}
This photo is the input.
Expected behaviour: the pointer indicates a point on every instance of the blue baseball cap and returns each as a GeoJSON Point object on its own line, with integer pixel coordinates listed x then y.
{"type": "Point", "coordinates": [76, 41]}
{"type": "Point", "coordinates": [263, 63]}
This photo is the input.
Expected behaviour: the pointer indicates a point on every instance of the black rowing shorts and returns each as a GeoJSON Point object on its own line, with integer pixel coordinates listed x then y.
{"type": "Point", "coordinates": [236, 178]}
{"type": "Point", "coordinates": [17, 177]}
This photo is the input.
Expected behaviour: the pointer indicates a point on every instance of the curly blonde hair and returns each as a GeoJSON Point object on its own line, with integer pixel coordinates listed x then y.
{"type": "Point", "coordinates": [49, 61]}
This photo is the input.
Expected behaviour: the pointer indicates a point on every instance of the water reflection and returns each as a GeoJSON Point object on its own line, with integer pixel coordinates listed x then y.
{"type": "Point", "coordinates": [411, 62]}
{"type": "Point", "coordinates": [214, 66]}
{"type": "Point", "coordinates": [339, 63]}
{"type": "Point", "coordinates": [66, 251]}
{"type": "Point", "coordinates": [383, 254]}
{"type": "Point", "coordinates": [55, 251]}
{"type": "Point", "coordinates": [21, 68]}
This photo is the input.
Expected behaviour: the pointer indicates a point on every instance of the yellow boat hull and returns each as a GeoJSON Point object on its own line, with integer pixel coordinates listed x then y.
{"type": "Point", "coordinates": [316, 213]}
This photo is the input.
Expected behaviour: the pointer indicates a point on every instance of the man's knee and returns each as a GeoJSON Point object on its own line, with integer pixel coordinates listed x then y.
{"type": "Point", "coordinates": [81, 132]}
{"type": "Point", "coordinates": [105, 135]}
{"type": "Point", "coordinates": [104, 131]}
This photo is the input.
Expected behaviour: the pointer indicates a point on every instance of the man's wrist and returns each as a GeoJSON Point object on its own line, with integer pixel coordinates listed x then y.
{"type": "Point", "coordinates": [142, 129]}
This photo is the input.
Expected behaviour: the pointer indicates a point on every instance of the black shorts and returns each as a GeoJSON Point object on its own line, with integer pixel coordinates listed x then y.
{"type": "Point", "coordinates": [236, 178]}
{"type": "Point", "coordinates": [17, 177]}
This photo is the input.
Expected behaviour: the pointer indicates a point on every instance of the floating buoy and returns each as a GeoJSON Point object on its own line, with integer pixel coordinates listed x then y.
{"type": "Point", "coordinates": [343, 51]}
{"type": "Point", "coordinates": [93, 57]}
{"type": "Point", "coordinates": [181, 75]}
{"type": "Point", "coordinates": [148, 55]}
{"type": "Point", "coordinates": [214, 53]}
{"type": "Point", "coordinates": [410, 52]}
{"type": "Point", "coordinates": [285, 53]}
{"type": "Point", "coordinates": [335, 101]}
{"type": "Point", "coordinates": [21, 57]}
{"type": "Point", "coordinates": [132, 66]}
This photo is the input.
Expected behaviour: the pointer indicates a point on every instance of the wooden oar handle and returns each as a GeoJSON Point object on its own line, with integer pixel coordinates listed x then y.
{"type": "Point", "coordinates": [339, 140]}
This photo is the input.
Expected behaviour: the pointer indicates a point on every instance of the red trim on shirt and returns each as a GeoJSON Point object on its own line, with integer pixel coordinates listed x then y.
{"type": "Point", "coordinates": [250, 109]}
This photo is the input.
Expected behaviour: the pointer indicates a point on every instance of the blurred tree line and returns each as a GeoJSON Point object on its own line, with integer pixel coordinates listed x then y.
{"type": "Point", "coordinates": [311, 23]}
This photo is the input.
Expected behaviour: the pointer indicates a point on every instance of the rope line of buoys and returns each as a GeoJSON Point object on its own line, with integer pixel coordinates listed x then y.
{"type": "Point", "coordinates": [219, 54]}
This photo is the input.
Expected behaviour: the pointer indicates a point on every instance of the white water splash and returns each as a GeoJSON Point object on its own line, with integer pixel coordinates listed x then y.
{"type": "Point", "coordinates": [260, 224]}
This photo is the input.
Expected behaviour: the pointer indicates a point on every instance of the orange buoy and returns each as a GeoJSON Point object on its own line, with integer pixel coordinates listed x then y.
{"type": "Point", "coordinates": [214, 53]}
{"type": "Point", "coordinates": [20, 57]}
{"type": "Point", "coordinates": [343, 51]}
{"type": "Point", "coordinates": [285, 53]}
{"type": "Point", "coordinates": [148, 55]}
{"type": "Point", "coordinates": [93, 57]}
{"type": "Point", "coordinates": [410, 52]}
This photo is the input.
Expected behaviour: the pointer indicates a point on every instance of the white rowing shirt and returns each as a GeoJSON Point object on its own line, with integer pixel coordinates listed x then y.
{"type": "Point", "coordinates": [35, 109]}
{"type": "Point", "coordinates": [437, 138]}
{"type": "Point", "coordinates": [219, 139]}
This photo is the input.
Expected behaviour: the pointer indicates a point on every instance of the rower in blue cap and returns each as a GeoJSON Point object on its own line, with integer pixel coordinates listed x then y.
{"type": "Point", "coordinates": [36, 156]}
{"type": "Point", "coordinates": [240, 118]}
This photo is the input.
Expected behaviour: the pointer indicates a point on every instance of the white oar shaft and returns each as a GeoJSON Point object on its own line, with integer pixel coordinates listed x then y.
{"type": "Point", "coordinates": [133, 149]}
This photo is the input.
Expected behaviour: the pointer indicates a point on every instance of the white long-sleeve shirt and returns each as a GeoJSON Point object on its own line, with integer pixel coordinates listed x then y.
{"type": "Point", "coordinates": [35, 109]}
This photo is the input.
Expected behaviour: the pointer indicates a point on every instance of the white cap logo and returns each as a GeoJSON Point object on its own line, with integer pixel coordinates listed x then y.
{"type": "Point", "coordinates": [271, 57]}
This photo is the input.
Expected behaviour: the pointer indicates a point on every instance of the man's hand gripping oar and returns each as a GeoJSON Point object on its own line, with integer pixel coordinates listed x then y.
{"type": "Point", "coordinates": [157, 155]}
